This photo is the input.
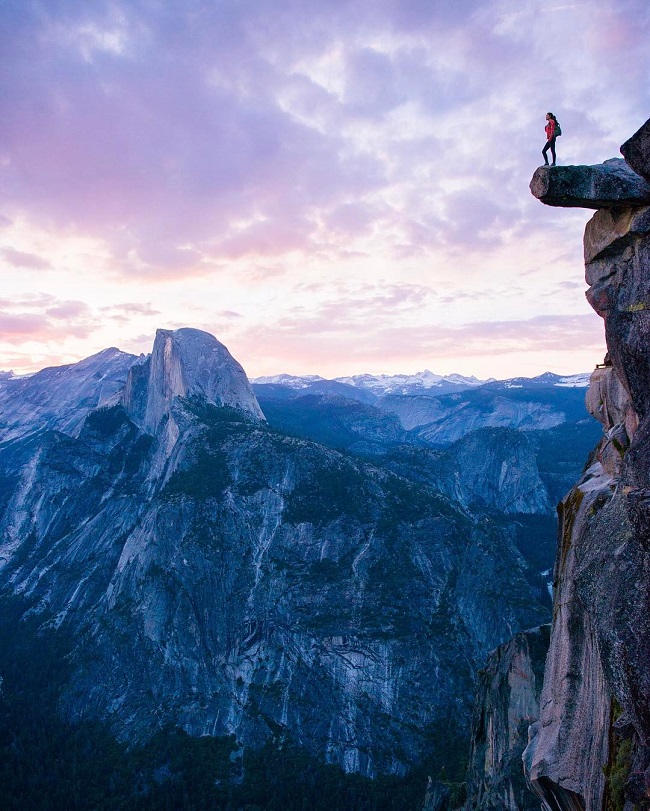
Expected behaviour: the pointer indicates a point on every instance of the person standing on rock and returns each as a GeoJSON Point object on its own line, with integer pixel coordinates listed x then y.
{"type": "Point", "coordinates": [551, 124]}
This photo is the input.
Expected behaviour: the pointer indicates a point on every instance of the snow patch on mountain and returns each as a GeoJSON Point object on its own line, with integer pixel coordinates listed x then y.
{"type": "Point", "coordinates": [423, 382]}
{"type": "Point", "coordinates": [575, 381]}
{"type": "Point", "coordinates": [381, 384]}
{"type": "Point", "coordinates": [290, 381]}
{"type": "Point", "coordinates": [406, 384]}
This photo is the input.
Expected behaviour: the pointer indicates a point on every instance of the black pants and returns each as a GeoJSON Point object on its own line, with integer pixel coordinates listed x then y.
{"type": "Point", "coordinates": [549, 145]}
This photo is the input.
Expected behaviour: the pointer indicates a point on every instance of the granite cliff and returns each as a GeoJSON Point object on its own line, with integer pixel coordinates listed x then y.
{"type": "Point", "coordinates": [591, 747]}
{"type": "Point", "coordinates": [507, 702]}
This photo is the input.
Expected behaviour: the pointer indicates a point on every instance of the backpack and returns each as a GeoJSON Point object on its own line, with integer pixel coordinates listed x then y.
{"type": "Point", "coordinates": [558, 128]}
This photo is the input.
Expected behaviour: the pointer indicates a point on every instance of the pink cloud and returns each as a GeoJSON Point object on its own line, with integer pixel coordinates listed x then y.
{"type": "Point", "coordinates": [28, 301]}
{"type": "Point", "coordinates": [68, 310]}
{"type": "Point", "coordinates": [392, 346]}
{"type": "Point", "coordinates": [132, 308]}
{"type": "Point", "coordinates": [41, 317]}
{"type": "Point", "coordinates": [18, 326]}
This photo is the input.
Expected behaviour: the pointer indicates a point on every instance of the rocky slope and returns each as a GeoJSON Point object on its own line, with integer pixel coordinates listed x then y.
{"type": "Point", "coordinates": [591, 748]}
{"type": "Point", "coordinates": [534, 404]}
{"type": "Point", "coordinates": [61, 397]}
{"type": "Point", "coordinates": [495, 469]}
{"type": "Point", "coordinates": [219, 575]}
{"type": "Point", "coordinates": [492, 470]}
{"type": "Point", "coordinates": [550, 433]}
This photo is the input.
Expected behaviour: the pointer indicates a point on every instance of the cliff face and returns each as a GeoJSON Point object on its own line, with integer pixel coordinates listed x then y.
{"type": "Point", "coordinates": [507, 702]}
{"type": "Point", "coordinates": [495, 468]}
{"type": "Point", "coordinates": [591, 749]}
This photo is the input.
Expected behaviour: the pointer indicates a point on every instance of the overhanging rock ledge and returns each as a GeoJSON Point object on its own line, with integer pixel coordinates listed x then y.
{"type": "Point", "coordinates": [612, 184]}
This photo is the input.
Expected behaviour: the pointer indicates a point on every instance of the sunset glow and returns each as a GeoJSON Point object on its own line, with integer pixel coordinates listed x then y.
{"type": "Point", "coordinates": [327, 187]}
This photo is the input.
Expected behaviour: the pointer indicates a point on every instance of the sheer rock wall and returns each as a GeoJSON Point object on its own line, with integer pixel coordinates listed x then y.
{"type": "Point", "coordinates": [591, 747]}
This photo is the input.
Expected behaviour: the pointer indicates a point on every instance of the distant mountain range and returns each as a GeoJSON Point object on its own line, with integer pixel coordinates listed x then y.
{"type": "Point", "coordinates": [422, 382]}
{"type": "Point", "coordinates": [423, 408]}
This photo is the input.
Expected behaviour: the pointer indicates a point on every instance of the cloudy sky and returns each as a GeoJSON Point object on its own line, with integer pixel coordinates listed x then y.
{"type": "Point", "coordinates": [328, 186]}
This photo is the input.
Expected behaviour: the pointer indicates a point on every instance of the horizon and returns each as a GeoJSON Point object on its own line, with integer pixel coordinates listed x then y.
{"type": "Point", "coordinates": [254, 378]}
{"type": "Point", "coordinates": [344, 186]}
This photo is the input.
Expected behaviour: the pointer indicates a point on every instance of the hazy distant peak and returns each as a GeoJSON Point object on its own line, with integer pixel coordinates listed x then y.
{"type": "Point", "coordinates": [407, 384]}
{"type": "Point", "coordinates": [580, 380]}
{"type": "Point", "coordinates": [291, 381]}
{"type": "Point", "coordinates": [380, 384]}
{"type": "Point", "coordinates": [61, 396]}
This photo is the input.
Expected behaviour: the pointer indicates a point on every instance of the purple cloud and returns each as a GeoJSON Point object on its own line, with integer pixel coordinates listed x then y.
{"type": "Point", "coordinates": [131, 308]}
{"type": "Point", "coordinates": [68, 310]}
{"type": "Point", "coordinates": [41, 317]}
{"type": "Point", "coordinates": [431, 344]}
{"type": "Point", "coordinates": [191, 139]}
{"type": "Point", "coordinates": [20, 259]}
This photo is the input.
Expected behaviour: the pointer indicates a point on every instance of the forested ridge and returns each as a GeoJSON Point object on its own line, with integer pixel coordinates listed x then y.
{"type": "Point", "coordinates": [47, 764]}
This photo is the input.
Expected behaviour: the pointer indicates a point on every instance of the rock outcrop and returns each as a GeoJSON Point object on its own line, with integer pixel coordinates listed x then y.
{"type": "Point", "coordinates": [636, 151]}
{"type": "Point", "coordinates": [495, 468]}
{"type": "Point", "coordinates": [436, 797]}
{"type": "Point", "coordinates": [609, 185]}
{"type": "Point", "coordinates": [591, 749]}
{"type": "Point", "coordinates": [507, 703]}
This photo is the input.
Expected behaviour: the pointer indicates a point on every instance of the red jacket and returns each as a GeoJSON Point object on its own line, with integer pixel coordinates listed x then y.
{"type": "Point", "coordinates": [550, 129]}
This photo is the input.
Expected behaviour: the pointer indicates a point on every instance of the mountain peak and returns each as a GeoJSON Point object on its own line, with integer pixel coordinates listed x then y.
{"type": "Point", "coordinates": [186, 362]}
{"type": "Point", "coordinates": [61, 396]}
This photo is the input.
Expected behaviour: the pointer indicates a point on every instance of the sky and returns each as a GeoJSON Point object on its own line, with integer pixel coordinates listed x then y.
{"type": "Point", "coordinates": [327, 186]}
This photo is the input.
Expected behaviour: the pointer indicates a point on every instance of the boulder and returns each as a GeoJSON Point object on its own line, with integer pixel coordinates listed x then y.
{"type": "Point", "coordinates": [608, 185]}
{"type": "Point", "coordinates": [610, 231]}
{"type": "Point", "coordinates": [636, 151]}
